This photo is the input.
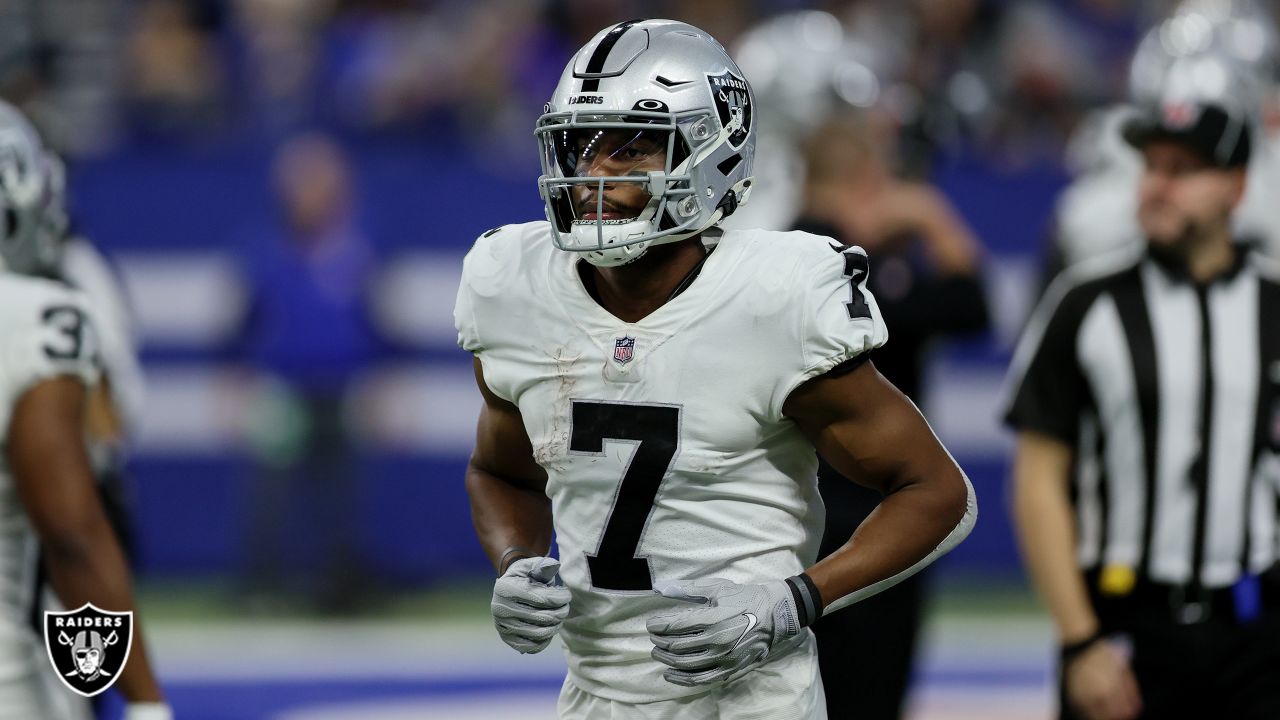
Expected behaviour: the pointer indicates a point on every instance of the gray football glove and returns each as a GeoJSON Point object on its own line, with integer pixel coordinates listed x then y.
{"type": "Point", "coordinates": [529, 603]}
{"type": "Point", "coordinates": [737, 628]}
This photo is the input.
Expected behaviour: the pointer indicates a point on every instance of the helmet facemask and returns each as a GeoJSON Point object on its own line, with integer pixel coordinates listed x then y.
{"type": "Point", "coordinates": [615, 184]}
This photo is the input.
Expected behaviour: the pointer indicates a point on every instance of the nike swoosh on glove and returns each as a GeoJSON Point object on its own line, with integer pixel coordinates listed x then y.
{"type": "Point", "coordinates": [737, 628]}
{"type": "Point", "coordinates": [147, 711]}
{"type": "Point", "coordinates": [529, 603]}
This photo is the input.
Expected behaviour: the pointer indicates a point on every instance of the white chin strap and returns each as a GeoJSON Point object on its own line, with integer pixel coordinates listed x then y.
{"type": "Point", "coordinates": [586, 233]}
{"type": "Point", "coordinates": [613, 254]}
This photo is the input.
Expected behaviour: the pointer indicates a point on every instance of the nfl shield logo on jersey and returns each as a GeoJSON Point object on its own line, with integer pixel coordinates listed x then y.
{"type": "Point", "coordinates": [624, 349]}
{"type": "Point", "coordinates": [88, 647]}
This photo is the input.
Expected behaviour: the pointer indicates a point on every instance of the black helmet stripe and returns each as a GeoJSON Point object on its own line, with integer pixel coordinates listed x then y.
{"type": "Point", "coordinates": [596, 63]}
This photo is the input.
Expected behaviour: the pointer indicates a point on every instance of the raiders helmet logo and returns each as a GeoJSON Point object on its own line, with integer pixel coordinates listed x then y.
{"type": "Point", "coordinates": [88, 647]}
{"type": "Point", "coordinates": [733, 104]}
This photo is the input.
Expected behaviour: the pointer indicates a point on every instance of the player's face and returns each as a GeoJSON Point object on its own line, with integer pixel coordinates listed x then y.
{"type": "Point", "coordinates": [605, 153]}
{"type": "Point", "coordinates": [1181, 196]}
{"type": "Point", "coordinates": [87, 661]}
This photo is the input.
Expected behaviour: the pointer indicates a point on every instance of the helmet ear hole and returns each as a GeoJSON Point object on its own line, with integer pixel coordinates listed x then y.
{"type": "Point", "coordinates": [728, 165]}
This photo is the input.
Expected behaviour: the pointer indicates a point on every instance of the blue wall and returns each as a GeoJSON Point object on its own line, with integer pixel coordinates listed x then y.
{"type": "Point", "coordinates": [412, 515]}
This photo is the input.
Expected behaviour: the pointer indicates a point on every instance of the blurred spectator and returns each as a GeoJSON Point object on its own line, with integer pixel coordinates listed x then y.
{"type": "Point", "coordinates": [59, 60]}
{"type": "Point", "coordinates": [1044, 75]}
{"type": "Point", "coordinates": [280, 41]}
{"type": "Point", "coordinates": [174, 84]}
{"type": "Point", "coordinates": [309, 333]}
{"type": "Point", "coordinates": [925, 277]}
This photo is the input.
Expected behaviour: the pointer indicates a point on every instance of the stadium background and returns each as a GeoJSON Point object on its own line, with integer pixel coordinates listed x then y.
{"type": "Point", "coordinates": [171, 114]}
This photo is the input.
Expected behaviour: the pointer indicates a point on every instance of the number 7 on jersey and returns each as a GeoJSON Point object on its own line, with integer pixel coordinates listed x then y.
{"type": "Point", "coordinates": [655, 430]}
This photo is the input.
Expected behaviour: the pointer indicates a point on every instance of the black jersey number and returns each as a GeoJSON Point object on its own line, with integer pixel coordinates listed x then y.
{"type": "Point", "coordinates": [856, 268]}
{"type": "Point", "coordinates": [655, 430]}
{"type": "Point", "coordinates": [69, 321]}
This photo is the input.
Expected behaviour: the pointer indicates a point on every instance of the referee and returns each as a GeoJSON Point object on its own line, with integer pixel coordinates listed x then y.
{"type": "Point", "coordinates": [1146, 396]}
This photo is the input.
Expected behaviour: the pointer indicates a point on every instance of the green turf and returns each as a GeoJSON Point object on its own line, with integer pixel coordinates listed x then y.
{"type": "Point", "coordinates": [468, 601]}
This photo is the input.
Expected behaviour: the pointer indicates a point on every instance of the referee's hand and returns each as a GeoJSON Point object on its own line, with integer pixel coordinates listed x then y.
{"type": "Point", "coordinates": [1100, 684]}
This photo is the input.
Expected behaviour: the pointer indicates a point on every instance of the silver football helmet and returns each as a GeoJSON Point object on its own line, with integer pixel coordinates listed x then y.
{"type": "Point", "coordinates": [805, 67]}
{"type": "Point", "coordinates": [33, 220]}
{"type": "Point", "coordinates": [1242, 31]}
{"type": "Point", "coordinates": [656, 111]}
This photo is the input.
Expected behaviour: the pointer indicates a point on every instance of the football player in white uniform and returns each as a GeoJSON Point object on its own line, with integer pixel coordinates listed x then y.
{"type": "Point", "coordinates": [654, 391]}
{"type": "Point", "coordinates": [48, 500]}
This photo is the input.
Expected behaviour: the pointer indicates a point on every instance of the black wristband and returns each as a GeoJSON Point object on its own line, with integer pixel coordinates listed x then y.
{"type": "Point", "coordinates": [521, 552]}
{"type": "Point", "coordinates": [808, 599]}
{"type": "Point", "coordinates": [1071, 651]}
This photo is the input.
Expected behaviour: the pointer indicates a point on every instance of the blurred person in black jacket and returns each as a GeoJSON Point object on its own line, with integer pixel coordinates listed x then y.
{"type": "Point", "coordinates": [925, 272]}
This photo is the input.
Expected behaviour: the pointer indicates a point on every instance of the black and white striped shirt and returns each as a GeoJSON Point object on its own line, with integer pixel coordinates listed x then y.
{"type": "Point", "coordinates": [1169, 393]}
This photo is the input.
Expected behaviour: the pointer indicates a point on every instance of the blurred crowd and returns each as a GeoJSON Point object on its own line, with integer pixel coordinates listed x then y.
{"type": "Point", "coordinates": [1010, 77]}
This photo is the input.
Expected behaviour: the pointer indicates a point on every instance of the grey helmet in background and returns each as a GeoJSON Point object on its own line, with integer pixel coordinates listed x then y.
{"type": "Point", "coordinates": [33, 221]}
{"type": "Point", "coordinates": [663, 82]}
{"type": "Point", "coordinates": [1241, 30]}
{"type": "Point", "coordinates": [804, 67]}
{"type": "Point", "coordinates": [1245, 30]}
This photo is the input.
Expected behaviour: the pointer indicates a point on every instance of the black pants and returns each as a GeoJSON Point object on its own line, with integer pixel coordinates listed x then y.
{"type": "Point", "coordinates": [865, 651]}
{"type": "Point", "coordinates": [1214, 669]}
{"type": "Point", "coordinates": [302, 535]}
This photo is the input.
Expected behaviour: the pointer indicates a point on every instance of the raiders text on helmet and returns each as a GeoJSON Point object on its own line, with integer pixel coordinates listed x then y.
{"type": "Point", "coordinates": [656, 104]}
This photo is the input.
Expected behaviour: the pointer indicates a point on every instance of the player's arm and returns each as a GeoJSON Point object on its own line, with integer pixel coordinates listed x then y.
{"type": "Point", "coordinates": [870, 432]}
{"type": "Point", "coordinates": [1099, 681]}
{"type": "Point", "coordinates": [45, 451]}
{"type": "Point", "coordinates": [507, 488]}
{"type": "Point", "coordinates": [512, 516]}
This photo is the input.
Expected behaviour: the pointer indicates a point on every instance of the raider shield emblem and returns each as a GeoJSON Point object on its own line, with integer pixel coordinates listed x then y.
{"type": "Point", "coordinates": [88, 647]}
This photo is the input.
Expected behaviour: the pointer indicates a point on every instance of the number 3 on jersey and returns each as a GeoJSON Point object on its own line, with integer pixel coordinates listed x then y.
{"type": "Point", "coordinates": [655, 431]}
{"type": "Point", "coordinates": [69, 322]}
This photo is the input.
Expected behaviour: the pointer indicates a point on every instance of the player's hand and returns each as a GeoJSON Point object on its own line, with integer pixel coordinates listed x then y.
{"type": "Point", "coordinates": [529, 603]}
{"type": "Point", "coordinates": [147, 711]}
{"type": "Point", "coordinates": [734, 629]}
{"type": "Point", "coordinates": [1100, 685]}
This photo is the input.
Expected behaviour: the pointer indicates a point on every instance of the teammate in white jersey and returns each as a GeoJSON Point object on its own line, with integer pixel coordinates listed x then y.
{"type": "Point", "coordinates": [48, 500]}
{"type": "Point", "coordinates": [654, 391]}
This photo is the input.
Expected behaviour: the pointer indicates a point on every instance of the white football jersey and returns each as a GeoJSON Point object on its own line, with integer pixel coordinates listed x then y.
{"type": "Point", "coordinates": [86, 269]}
{"type": "Point", "coordinates": [44, 333]}
{"type": "Point", "coordinates": [666, 450]}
